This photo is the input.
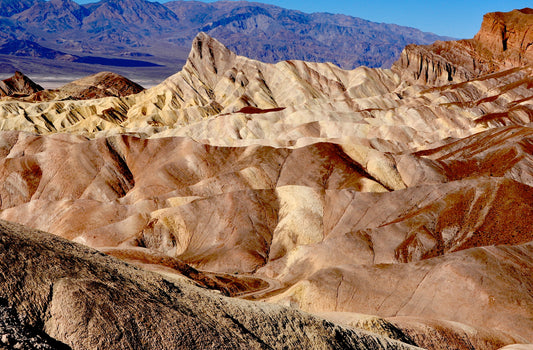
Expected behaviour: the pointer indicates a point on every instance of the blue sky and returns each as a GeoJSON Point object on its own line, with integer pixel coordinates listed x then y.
{"type": "Point", "coordinates": [455, 18]}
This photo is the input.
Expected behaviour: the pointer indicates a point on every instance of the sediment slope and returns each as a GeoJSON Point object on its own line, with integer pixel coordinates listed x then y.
{"type": "Point", "coordinates": [84, 299]}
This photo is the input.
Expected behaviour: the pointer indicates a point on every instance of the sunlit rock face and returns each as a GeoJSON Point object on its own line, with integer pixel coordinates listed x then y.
{"type": "Point", "coordinates": [398, 201]}
{"type": "Point", "coordinates": [504, 41]}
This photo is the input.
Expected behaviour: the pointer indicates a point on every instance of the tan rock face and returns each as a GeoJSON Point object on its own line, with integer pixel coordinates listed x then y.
{"type": "Point", "coordinates": [173, 205]}
{"type": "Point", "coordinates": [84, 299]}
{"type": "Point", "coordinates": [507, 38]}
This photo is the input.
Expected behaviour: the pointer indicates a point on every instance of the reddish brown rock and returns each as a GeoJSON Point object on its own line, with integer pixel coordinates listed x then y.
{"type": "Point", "coordinates": [506, 38]}
{"type": "Point", "coordinates": [503, 42]}
{"type": "Point", "coordinates": [18, 85]}
{"type": "Point", "coordinates": [103, 84]}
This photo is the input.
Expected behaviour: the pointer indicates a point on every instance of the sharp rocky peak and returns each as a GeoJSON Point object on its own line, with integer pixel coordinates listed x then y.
{"type": "Point", "coordinates": [208, 50]}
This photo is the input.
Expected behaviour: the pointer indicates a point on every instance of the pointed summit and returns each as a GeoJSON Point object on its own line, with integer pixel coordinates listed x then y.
{"type": "Point", "coordinates": [209, 55]}
{"type": "Point", "coordinates": [207, 48]}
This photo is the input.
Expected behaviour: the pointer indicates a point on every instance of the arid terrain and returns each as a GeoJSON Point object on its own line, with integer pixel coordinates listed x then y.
{"type": "Point", "coordinates": [242, 204]}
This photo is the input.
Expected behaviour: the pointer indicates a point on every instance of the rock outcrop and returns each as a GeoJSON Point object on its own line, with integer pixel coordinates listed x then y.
{"type": "Point", "coordinates": [100, 85]}
{"type": "Point", "coordinates": [503, 42]}
{"type": "Point", "coordinates": [104, 84]}
{"type": "Point", "coordinates": [18, 85]}
{"type": "Point", "coordinates": [506, 38]}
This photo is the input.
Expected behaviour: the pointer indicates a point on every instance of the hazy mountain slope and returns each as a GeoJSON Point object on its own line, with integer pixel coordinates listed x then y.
{"type": "Point", "coordinates": [162, 33]}
{"type": "Point", "coordinates": [28, 48]}
{"type": "Point", "coordinates": [280, 34]}
{"type": "Point", "coordinates": [53, 16]}
{"type": "Point", "coordinates": [11, 7]}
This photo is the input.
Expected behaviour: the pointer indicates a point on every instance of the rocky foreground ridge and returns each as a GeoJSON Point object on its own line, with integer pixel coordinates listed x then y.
{"type": "Point", "coordinates": [95, 301]}
{"type": "Point", "coordinates": [371, 198]}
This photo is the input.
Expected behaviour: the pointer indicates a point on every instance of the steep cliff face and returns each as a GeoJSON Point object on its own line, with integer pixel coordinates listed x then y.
{"type": "Point", "coordinates": [504, 41]}
{"type": "Point", "coordinates": [422, 64]}
{"type": "Point", "coordinates": [507, 38]}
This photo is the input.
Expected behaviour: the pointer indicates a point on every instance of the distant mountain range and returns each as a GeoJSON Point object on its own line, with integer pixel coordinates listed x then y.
{"type": "Point", "coordinates": [139, 33]}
